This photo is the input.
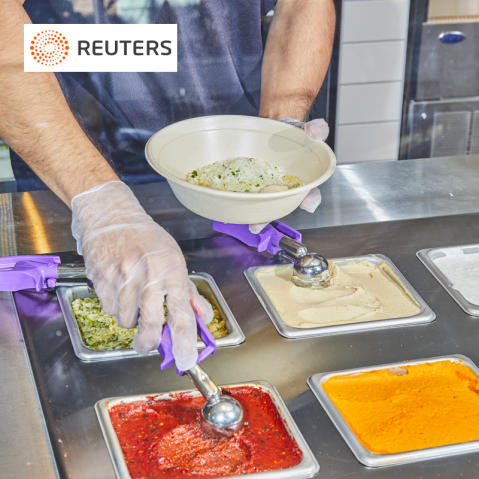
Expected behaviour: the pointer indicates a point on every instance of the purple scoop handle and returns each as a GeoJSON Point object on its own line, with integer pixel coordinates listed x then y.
{"type": "Point", "coordinates": [166, 345]}
{"type": "Point", "coordinates": [267, 240]}
{"type": "Point", "coordinates": [28, 272]}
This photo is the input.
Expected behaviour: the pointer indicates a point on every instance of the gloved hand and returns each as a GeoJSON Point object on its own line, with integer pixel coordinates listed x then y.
{"type": "Point", "coordinates": [135, 265]}
{"type": "Point", "coordinates": [317, 130]}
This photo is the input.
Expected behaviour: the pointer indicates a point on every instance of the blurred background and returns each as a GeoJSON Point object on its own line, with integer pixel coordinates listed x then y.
{"type": "Point", "coordinates": [403, 81]}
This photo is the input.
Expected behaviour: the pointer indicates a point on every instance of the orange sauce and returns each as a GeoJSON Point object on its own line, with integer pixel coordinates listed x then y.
{"type": "Point", "coordinates": [409, 408]}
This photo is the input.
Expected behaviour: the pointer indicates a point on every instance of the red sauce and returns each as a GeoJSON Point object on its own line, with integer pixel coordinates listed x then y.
{"type": "Point", "coordinates": [164, 438]}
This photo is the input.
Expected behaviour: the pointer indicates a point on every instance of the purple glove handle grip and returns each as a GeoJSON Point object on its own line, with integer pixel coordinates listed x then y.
{"type": "Point", "coordinates": [28, 272]}
{"type": "Point", "coordinates": [266, 240]}
{"type": "Point", "coordinates": [166, 345]}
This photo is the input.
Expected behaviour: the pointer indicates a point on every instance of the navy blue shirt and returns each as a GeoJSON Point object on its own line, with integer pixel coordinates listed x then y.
{"type": "Point", "coordinates": [220, 49]}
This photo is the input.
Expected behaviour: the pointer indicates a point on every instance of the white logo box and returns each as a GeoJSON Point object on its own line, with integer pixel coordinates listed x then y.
{"type": "Point", "coordinates": [100, 48]}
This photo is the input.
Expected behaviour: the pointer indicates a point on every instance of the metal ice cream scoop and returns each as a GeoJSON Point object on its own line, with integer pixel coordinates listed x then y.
{"type": "Point", "coordinates": [221, 415]}
{"type": "Point", "coordinates": [310, 270]}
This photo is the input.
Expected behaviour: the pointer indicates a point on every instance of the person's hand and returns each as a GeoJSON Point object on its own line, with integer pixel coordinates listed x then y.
{"type": "Point", "coordinates": [135, 265]}
{"type": "Point", "coordinates": [317, 130]}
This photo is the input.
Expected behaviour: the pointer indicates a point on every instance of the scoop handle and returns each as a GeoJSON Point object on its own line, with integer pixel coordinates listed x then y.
{"type": "Point", "coordinates": [166, 345]}
{"type": "Point", "coordinates": [28, 272]}
{"type": "Point", "coordinates": [268, 239]}
{"type": "Point", "coordinates": [205, 385]}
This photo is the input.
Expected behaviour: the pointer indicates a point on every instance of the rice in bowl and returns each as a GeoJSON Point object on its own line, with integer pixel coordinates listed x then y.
{"type": "Point", "coordinates": [244, 175]}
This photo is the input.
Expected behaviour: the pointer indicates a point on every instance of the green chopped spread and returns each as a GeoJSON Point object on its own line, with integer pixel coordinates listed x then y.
{"type": "Point", "coordinates": [99, 330]}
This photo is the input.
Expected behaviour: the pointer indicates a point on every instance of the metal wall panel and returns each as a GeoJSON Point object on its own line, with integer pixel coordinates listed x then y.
{"type": "Point", "coordinates": [448, 70]}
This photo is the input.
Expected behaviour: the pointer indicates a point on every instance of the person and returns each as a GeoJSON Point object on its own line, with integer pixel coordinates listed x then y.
{"type": "Point", "coordinates": [135, 265]}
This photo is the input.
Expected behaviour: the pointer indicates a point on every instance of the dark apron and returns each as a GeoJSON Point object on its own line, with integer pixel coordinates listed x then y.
{"type": "Point", "coordinates": [220, 48]}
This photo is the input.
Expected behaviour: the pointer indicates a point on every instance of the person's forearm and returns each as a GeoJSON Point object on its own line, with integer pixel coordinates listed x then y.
{"type": "Point", "coordinates": [296, 57]}
{"type": "Point", "coordinates": [35, 119]}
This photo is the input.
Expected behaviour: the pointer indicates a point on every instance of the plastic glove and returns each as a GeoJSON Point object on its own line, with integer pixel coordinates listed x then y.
{"type": "Point", "coordinates": [135, 265]}
{"type": "Point", "coordinates": [317, 130]}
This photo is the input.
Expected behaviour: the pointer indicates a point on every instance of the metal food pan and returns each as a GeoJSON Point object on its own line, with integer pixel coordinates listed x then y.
{"type": "Point", "coordinates": [205, 285]}
{"type": "Point", "coordinates": [427, 257]}
{"type": "Point", "coordinates": [307, 468]}
{"type": "Point", "coordinates": [426, 315]}
{"type": "Point", "coordinates": [362, 454]}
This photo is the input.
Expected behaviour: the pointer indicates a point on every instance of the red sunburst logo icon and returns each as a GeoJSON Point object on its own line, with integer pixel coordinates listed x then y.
{"type": "Point", "coordinates": [49, 47]}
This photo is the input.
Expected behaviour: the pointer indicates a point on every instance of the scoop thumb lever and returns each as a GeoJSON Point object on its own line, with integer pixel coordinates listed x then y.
{"type": "Point", "coordinates": [166, 345]}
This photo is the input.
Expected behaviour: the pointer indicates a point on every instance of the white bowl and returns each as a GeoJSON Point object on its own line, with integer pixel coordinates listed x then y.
{"type": "Point", "coordinates": [190, 144]}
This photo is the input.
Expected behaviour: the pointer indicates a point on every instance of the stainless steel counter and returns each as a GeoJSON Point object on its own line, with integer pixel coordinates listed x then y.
{"type": "Point", "coordinates": [360, 193]}
{"type": "Point", "coordinates": [23, 448]}
{"type": "Point", "coordinates": [375, 193]}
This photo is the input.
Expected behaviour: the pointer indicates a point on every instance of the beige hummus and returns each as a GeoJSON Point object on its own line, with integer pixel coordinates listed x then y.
{"type": "Point", "coordinates": [359, 291]}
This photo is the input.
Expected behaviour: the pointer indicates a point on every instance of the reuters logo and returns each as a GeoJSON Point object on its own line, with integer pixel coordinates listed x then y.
{"type": "Point", "coordinates": [49, 47]}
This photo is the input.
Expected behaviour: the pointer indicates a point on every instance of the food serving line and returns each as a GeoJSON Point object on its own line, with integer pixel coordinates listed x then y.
{"type": "Point", "coordinates": [68, 388]}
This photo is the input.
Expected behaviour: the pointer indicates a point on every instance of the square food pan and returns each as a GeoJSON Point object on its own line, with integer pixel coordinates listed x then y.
{"type": "Point", "coordinates": [427, 257]}
{"type": "Point", "coordinates": [307, 468]}
{"type": "Point", "coordinates": [206, 286]}
{"type": "Point", "coordinates": [362, 454]}
{"type": "Point", "coordinates": [425, 315]}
